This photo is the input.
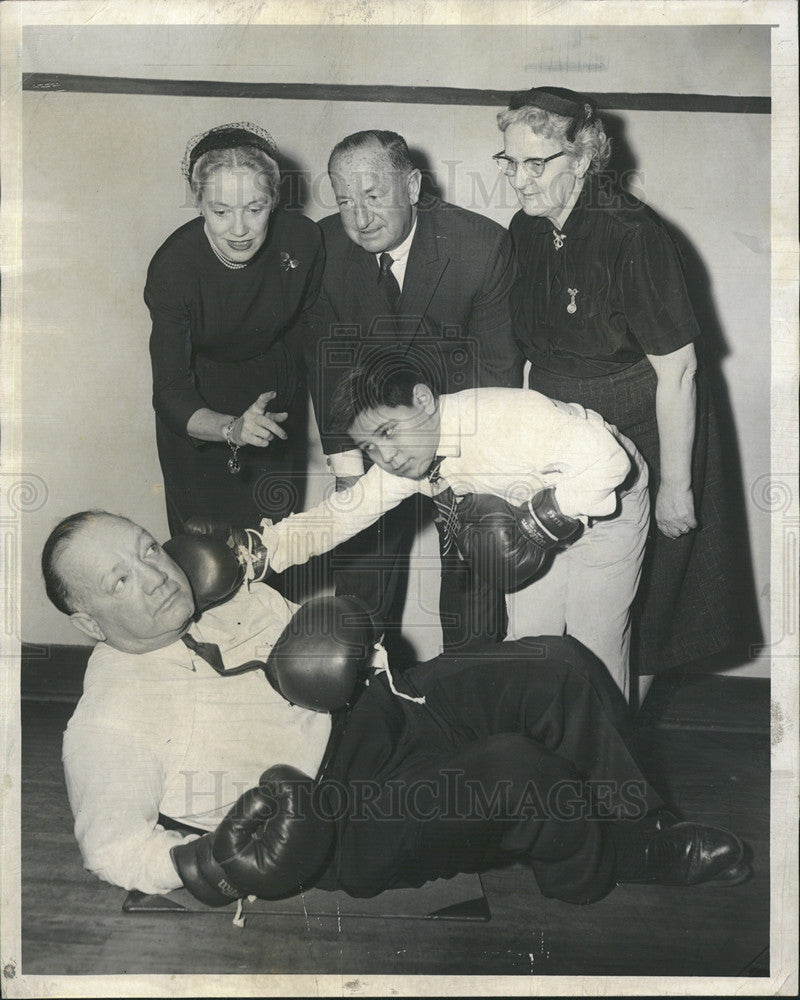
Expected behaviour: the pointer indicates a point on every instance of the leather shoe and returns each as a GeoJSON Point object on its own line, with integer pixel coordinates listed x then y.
{"type": "Point", "coordinates": [684, 854]}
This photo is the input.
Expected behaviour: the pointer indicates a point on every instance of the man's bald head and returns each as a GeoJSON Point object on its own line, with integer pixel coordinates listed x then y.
{"type": "Point", "coordinates": [116, 582]}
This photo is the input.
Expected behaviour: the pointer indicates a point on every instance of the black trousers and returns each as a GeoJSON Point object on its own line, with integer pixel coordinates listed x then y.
{"type": "Point", "coordinates": [520, 752]}
{"type": "Point", "coordinates": [373, 566]}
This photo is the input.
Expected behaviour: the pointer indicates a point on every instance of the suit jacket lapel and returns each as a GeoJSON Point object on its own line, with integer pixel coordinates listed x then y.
{"type": "Point", "coordinates": [427, 262]}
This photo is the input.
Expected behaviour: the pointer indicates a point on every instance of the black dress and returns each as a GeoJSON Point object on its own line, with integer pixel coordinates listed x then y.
{"type": "Point", "coordinates": [220, 338]}
{"type": "Point", "coordinates": [591, 301]}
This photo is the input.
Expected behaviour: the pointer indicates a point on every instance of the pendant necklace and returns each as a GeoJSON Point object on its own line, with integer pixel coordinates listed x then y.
{"type": "Point", "coordinates": [572, 308]}
{"type": "Point", "coordinates": [558, 243]}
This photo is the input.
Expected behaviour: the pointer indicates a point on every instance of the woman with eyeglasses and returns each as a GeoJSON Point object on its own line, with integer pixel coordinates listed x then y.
{"type": "Point", "coordinates": [604, 319]}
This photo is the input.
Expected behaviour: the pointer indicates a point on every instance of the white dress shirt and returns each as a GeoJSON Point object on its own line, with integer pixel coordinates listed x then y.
{"type": "Point", "coordinates": [507, 442]}
{"type": "Point", "coordinates": [163, 732]}
{"type": "Point", "coordinates": [400, 256]}
{"type": "Point", "coordinates": [351, 463]}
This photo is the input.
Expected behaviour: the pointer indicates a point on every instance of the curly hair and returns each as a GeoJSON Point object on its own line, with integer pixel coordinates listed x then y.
{"type": "Point", "coordinates": [590, 139]}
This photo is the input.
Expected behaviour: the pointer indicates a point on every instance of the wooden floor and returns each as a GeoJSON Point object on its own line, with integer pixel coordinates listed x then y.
{"type": "Point", "coordinates": [715, 766]}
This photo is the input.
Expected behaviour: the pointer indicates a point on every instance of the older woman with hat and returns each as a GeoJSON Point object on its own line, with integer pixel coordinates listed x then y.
{"type": "Point", "coordinates": [604, 319]}
{"type": "Point", "coordinates": [225, 293]}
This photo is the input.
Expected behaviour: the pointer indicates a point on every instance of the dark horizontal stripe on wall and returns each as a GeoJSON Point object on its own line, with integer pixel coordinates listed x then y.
{"type": "Point", "coordinates": [71, 83]}
{"type": "Point", "coordinates": [52, 672]}
{"type": "Point", "coordinates": [693, 701]}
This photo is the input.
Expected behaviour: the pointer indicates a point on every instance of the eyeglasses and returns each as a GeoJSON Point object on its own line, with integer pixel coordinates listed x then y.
{"type": "Point", "coordinates": [533, 167]}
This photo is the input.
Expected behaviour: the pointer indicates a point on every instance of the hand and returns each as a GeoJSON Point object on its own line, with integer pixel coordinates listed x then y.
{"type": "Point", "coordinates": [674, 510]}
{"type": "Point", "coordinates": [256, 426]}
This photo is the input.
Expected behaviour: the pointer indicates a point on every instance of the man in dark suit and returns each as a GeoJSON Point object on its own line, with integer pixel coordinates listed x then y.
{"type": "Point", "coordinates": [408, 269]}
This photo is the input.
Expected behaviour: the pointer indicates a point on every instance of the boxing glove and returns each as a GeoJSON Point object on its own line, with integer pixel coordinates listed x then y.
{"type": "Point", "coordinates": [318, 657]}
{"type": "Point", "coordinates": [273, 843]}
{"type": "Point", "coordinates": [543, 524]}
{"type": "Point", "coordinates": [512, 545]}
{"type": "Point", "coordinates": [215, 558]}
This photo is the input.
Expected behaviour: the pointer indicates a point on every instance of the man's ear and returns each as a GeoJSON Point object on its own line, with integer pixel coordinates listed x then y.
{"type": "Point", "coordinates": [86, 624]}
{"type": "Point", "coordinates": [424, 397]}
{"type": "Point", "coordinates": [413, 184]}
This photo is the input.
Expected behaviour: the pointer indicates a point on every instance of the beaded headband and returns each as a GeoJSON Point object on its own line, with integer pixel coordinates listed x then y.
{"type": "Point", "coordinates": [231, 136]}
{"type": "Point", "coordinates": [558, 101]}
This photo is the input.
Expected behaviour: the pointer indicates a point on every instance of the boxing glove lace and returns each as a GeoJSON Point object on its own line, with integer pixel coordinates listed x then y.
{"type": "Point", "coordinates": [217, 558]}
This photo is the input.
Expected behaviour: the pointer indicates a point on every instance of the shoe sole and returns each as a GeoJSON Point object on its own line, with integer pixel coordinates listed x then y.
{"type": "Point", "coordinates": [734, 875]}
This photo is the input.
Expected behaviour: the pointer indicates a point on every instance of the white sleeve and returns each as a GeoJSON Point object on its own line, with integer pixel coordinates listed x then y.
{"type": "Point", "coordinates": [593, 464]}
{"type": "Point", "coordinates": [115, 785]}
{"type": "Point", "coordinates": [346, 463]}
{"type": "Point", "coordinates": [299, 537]}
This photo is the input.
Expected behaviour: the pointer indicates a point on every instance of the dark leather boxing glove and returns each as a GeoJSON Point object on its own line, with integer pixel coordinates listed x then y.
{"type": "Point", "coordinates": [513, 545]}
{"type": "Point", "coordinates": [215, 556]}
{"type": "Point", "coordinates": [273, 843]}
{"type": "Point", "coordinates": [211, 567]}
{"type": "Point", "coordinates": [317, 659]}
{"type": "Point", "coordinates": [543, 524]}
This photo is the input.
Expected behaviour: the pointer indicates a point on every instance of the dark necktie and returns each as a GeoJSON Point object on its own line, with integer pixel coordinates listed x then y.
{"type": "Point", "coordinates": [446, 504]}
{"type": "Point", "coordinates": [209, 651]}
{"type": "Point", "coordinates": [387, 279]}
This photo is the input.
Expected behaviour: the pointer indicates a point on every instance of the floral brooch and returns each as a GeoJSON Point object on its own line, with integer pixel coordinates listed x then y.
{"type": "Point", "coordinates": [288, 263]}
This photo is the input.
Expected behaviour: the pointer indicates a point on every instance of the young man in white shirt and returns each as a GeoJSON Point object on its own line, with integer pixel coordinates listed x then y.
{"type": "Point", "coordinates": [513, 444]}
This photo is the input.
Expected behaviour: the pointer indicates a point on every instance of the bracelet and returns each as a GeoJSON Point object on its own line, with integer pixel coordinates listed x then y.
{"type": "Point", "coordinates": [233, 461]}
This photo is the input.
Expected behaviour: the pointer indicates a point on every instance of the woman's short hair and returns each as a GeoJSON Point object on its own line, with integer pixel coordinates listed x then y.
{"type": "Point", "coordinates": [392, 143]}
{"type": "Point", "coordinates": [384, 376]}
{"type": "Point", "coordinates": [239, 158]}
{"type": "Point", "coordinates": [590, 138]}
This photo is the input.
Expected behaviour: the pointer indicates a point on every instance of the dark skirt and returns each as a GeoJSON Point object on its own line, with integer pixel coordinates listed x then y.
{"type": "Point", "coordinates": [688, 607]}
{"type": "Point", "coordinates": [198, 482]}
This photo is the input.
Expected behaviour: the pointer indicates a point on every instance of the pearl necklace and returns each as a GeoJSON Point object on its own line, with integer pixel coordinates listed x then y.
{"type": "Point", "coordinates": [232, 264]}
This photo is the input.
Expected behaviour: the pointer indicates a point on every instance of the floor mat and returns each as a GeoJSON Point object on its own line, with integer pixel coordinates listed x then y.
{"type": "Point", "coordinates": [459, 898]}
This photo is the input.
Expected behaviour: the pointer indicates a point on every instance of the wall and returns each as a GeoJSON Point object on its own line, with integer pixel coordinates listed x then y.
{"type": "Point", "coordinates": [102, 190]}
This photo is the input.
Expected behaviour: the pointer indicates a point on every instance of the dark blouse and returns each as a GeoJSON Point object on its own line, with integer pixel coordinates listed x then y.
{"type": "Point", "coordinates": [215, 335]}
{"type": "Point", "coordinates": [620, 271]}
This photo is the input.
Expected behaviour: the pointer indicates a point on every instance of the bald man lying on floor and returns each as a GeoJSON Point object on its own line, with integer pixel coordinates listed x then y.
{"type": "Point", "coordinates": [455, 766]}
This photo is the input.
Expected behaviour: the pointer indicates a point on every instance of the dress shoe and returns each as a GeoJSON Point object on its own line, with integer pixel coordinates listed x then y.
{"type": "Point", "coordinates": [684, 854]}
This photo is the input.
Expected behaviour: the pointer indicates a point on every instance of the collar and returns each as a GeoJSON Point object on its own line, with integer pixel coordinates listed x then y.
{"type": "Point", "coordinates": [184, 652]}
{"type": "Point", "coordinates": [449, 427]}
{"type": "Point", "coordinates": [401, 252]}
{"type": "Point", "coordinates": [578, 223]}
{"type": "Point", "coordinates": [175, 653]}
